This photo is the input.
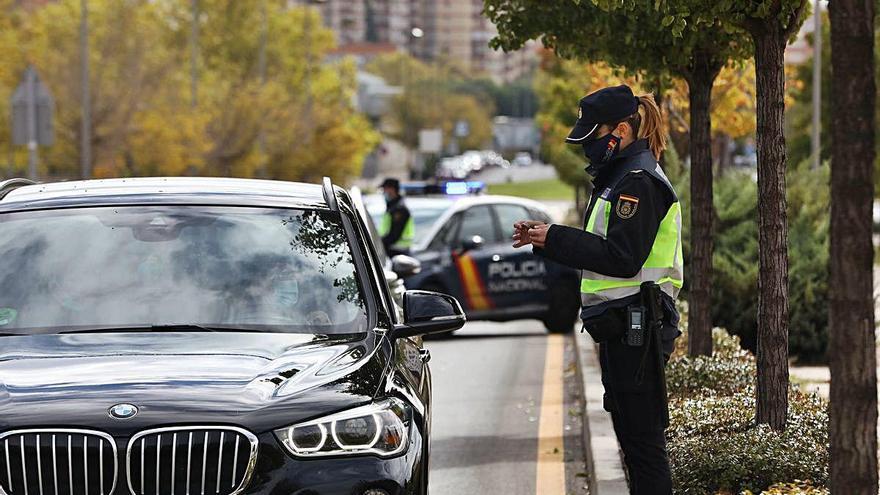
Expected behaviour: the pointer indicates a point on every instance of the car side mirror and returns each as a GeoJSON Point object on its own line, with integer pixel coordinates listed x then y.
{"type": "Point", "coordinates": [405, 266]}
{"type": "Point", "coordinates": [474, 243]}
{"type": "Point", "coordinates": [427, 312]}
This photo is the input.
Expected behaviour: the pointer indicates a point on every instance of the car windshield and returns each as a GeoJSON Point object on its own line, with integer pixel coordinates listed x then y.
{"type": "Point", "coordinates": [425, 215]}
{"type": "Point", "coordinates": [258, 269]}
{"type": "Point", "coordinates": [425, 212]}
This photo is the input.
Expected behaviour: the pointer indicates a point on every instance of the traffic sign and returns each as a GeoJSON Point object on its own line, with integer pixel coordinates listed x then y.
{"type": "Point", "coordinates": [32, 111]}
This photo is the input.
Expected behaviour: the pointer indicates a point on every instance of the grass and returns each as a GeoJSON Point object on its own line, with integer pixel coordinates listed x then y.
{"type": "Point", "coordinates": [538, 189]}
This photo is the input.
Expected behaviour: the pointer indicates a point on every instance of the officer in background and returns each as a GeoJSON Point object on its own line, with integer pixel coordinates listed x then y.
{"type": "Point", "coordinates": [397, 228]}
{"type": "Point", "coordinates": [631, 235]}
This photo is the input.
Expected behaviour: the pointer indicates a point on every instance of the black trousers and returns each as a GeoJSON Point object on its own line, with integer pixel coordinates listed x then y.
{"type": "Point", "coordinates": [632, 396]}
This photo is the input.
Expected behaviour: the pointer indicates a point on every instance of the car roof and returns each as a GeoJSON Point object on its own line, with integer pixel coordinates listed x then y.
{"type": "Point", "coordinates": [155, 190]}
{"type": "Point", "coordinates": [457, 203]}
{"type": "Point", "coordinates": [466, 201]}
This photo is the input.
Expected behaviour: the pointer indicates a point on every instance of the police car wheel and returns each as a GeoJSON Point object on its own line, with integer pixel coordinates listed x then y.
{"type": "Point", "coordinates": [563, 311]}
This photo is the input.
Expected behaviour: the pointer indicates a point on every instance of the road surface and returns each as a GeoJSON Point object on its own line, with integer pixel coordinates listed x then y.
{"type": "Point", "coordinates": [506, 414]}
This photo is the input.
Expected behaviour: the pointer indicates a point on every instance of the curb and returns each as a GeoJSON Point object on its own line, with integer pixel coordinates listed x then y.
{"type": "Point", "coordinates": [602, 452]}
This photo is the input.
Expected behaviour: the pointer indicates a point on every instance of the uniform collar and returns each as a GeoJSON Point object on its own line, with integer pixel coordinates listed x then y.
{"type": "Point", "coordinates": [633, 149]}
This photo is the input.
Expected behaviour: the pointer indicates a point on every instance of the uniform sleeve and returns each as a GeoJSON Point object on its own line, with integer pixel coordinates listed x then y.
{"type": "Point", "coordinates": [637, 208]}
{"type": "Point", "coordinates": [399, 217]}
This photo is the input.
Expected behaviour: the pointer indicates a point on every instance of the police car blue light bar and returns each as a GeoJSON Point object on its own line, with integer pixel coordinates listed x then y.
{"type": "Point", "coordinates": [462, 187]}
{"type": "Point", "coordinates": [449, 188]}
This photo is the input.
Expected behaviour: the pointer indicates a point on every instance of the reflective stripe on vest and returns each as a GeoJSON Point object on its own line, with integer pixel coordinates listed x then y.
{"type": "Point", "coordinates": [406, 237]}
{"type": "Point", "coordinates": [663, 266]}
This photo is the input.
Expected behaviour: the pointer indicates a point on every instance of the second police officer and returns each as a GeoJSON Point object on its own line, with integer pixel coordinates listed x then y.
{"type": "Point", "coordinates": [631, 235]}
{"type": "Point", "coordinates": [397, 228]}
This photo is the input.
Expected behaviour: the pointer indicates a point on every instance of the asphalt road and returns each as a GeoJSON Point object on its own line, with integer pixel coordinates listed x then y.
{"type": "Point", "coordinates": [506, 414]}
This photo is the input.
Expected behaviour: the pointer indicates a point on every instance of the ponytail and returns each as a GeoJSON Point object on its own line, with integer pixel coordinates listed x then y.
{"type": "Point", "coordinates": [650, 124]}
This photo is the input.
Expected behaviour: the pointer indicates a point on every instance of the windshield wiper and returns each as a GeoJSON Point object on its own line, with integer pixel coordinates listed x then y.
{"type": "Point", "coordinates": [162, 328]}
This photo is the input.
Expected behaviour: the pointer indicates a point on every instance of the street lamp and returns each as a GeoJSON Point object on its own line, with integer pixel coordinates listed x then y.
{"type": "Point", "coordinates": [85, 154]}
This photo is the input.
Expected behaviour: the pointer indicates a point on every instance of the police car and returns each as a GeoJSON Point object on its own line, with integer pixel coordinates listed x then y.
{"type": "Point", "coordinates": [464, 244]}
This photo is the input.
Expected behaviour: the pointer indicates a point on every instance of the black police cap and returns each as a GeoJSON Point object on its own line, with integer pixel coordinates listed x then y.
{"type": "Point", "coordinates": [606, 106]}
{"type": "Point", "coordinates": [392, 183]}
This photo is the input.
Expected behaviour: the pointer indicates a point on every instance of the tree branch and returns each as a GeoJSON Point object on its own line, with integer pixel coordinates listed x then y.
{"type": "Point", "coordinates": [793, 25]}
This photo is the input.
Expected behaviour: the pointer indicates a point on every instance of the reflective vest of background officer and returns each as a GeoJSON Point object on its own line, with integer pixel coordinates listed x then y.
{"type": "Point", "coordinates": [632, 234]}
{"type": "Point", "coordinates": [397, 228]}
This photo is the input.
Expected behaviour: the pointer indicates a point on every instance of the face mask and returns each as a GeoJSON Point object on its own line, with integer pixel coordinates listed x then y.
{"type": "Point", "coordinates": [601, 151]}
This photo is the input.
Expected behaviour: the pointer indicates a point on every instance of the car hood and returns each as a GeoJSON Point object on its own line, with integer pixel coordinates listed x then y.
{"type": "Point", "coordinates": [255, 380]}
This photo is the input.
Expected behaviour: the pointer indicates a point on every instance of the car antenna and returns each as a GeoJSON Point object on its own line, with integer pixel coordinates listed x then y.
{"type": "Point", "coordinates": [7, 186]}
{"type": "Point", "coordinates": [330, 195]}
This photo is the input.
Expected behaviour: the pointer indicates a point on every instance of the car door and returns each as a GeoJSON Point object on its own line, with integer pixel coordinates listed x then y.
{"type": "Point", "coordinates": [477, 241]}
{"type": "Point", "coordinates": [516, 276]}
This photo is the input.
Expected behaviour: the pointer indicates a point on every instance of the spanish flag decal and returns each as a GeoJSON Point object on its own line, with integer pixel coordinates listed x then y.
{"type": "Point", "coordinates": [472, 283]}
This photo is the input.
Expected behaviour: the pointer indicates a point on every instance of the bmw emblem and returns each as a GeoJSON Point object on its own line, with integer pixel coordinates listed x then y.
{"type": "Point", "coordinates": [123, 411]}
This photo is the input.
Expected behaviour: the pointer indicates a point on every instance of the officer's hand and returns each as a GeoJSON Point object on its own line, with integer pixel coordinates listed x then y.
{"type": "Point", "coordinates": [521, 232]}
{"type": "Point", "coordinates": [538, 234]}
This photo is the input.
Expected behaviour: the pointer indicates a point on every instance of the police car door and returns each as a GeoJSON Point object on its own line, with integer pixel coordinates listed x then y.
{"type": "Point", "coordinates": [477, 244]}
{"type": "Point", "coordinates": [517, 277]}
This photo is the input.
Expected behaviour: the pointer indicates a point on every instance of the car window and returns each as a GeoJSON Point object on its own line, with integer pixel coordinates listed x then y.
{"type": "Point", "coordinates": [477, 220]}
{"type": "Point", "coordinates": [508, 214]}
{"type": "Point", "coordinates": [276, 270]}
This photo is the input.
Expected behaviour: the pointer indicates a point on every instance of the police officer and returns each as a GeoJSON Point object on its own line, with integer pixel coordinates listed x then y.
{"type": "Point", "coordinates": [631, 235]}
{"type": "Point", "coordinates": [397, 228]}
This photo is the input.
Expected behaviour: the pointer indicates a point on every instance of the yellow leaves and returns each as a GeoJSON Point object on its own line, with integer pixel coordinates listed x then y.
{"type": "Point", "coordinates": [733, 102]}
{"type": "Point", "coordinates": [300, 124]}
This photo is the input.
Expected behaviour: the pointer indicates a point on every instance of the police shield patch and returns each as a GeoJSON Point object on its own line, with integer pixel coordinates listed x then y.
{"type": "Point", "coordinates": [627, 206]}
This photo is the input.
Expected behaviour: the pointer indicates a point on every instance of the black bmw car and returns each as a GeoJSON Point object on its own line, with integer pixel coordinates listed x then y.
{"type": "Point", "coordinates": [206, 336]}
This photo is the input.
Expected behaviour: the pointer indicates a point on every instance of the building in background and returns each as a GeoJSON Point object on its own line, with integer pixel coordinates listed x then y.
{"type": "Point", "coordinates": [454, 31]}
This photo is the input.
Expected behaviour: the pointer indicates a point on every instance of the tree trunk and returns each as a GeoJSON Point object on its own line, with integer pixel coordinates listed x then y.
{"type": "Point", "coordinates": [702, 214]}
{"type": "Point", "coordinates": [851, 315]}
{"type": "Point", "coordinates": [772, 392]}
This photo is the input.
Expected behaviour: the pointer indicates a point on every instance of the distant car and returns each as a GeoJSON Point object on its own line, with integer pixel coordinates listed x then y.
{"type": "Point", "coordinates": [493, 159]}
{"type": "Point", "coordinates": [523, 159]}
{"type": "Point", "coordinates": [194, 335]}
{"type": "Point", "coordinates": [464, 246]}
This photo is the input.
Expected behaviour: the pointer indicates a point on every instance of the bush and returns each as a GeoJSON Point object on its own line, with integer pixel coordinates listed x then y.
{"type": "Point", "coordinates": [714, 443]}
{"type": "Point", "coordinates": [730, 369]}
{"type": "Point", "coordinates": [735, 263]}
{"type": "Point", "coordinates": [797, 488]}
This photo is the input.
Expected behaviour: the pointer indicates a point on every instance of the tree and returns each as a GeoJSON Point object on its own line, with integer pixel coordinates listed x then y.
{"type": "Point", "coordinates": [130, 70]}
{"type": "Point", "coordinates": [853, 348]}
{"type": "Point", "coordinates": [770, 25]}
{"type": "Point", "coordinates": [143, 123]}
{"type": "Point", "coordinates": [628, 35]}
{"type": "Point", "coordinates": [12, 67]}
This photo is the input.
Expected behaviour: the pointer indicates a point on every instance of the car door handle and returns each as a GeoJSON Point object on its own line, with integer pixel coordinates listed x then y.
{"type": "Point", "coordinates": [497, 257]}
{"type": "Point", "coordinates": [426, 355]}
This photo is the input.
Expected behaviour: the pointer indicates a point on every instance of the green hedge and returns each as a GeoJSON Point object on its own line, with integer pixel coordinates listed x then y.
{"type": "Point", "coordinates": [715, 445]}
{"type": "Point", "coordinates": [734, 297]}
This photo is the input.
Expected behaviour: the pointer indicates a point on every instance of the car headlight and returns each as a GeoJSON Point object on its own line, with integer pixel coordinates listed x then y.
{"type": "Point", "coordinates": [381, 428]}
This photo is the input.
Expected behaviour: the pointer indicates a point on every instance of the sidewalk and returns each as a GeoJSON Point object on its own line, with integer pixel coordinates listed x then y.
{"type": "Point", "coordinates": [817, 378]}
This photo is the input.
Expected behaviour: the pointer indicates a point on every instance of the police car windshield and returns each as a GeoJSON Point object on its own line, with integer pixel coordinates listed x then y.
{"type": "Point", "coordinates": [276, 270]}
{"type": "Point", "coordinates": [425, 212]}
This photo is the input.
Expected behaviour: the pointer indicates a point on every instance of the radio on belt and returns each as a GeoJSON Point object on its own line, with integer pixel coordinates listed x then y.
{"type": "Point", "coordinates": [635, 332]}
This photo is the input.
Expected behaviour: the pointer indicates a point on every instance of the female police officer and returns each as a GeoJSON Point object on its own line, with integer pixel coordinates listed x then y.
{"type": "Point", "coordinates": [632, 234]}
